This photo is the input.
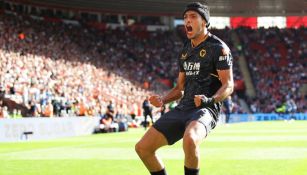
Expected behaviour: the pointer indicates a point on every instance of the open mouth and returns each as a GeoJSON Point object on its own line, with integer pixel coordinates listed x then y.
{"type": "Point", "coordinates": [189, 28]}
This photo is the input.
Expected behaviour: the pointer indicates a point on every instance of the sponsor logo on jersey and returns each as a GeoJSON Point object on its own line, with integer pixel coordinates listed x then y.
{"type": "Point", "coordinates": [202, 53]}
{"type": "Point", "coordinates": [191, 68]}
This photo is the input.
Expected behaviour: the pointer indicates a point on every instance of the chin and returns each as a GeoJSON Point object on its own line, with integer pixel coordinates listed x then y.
{"type": "Point", "coordinates": [190, 36]}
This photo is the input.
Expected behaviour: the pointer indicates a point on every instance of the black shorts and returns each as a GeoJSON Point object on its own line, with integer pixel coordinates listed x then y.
{"type": "Point", "coordinates": [173, 123]}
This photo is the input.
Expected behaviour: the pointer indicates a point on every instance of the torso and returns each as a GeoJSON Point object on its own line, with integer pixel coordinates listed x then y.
{"type": "Point", "coordinates": [200, 65]}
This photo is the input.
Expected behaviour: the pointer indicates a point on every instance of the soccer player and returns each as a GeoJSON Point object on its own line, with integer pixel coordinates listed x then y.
{"type": "Point", "coordinates": [205, 76]}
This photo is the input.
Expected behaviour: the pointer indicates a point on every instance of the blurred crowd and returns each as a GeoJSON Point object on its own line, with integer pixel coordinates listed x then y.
{"type": "Point", "coordinates": [56, 69]}
{"type": "Point", "coordinates": [277, 60]}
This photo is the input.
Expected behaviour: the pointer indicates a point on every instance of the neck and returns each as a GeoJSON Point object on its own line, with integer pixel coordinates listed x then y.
{"type": "Point", "coordinates": [199, 39]}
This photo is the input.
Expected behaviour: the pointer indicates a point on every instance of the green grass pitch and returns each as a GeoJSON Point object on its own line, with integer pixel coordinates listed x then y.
{"type": "Point", "coordinates": [255, 148]}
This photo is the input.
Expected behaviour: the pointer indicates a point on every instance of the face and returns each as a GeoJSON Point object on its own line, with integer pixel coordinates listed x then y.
{"type": "Point", "coordinates": [194, 24]}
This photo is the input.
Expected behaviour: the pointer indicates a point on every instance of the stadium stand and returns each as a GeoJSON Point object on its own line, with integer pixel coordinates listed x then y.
{"type": "Point", "coordinates": [42, 61]}
{"type": "Point", "coordinates": [80, 68]}
{"type": "Point", "coordinates": [276, 59]}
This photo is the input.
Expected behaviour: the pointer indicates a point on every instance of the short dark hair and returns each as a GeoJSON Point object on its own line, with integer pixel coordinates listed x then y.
{"type": "Point", "coordinates": [201, 9]}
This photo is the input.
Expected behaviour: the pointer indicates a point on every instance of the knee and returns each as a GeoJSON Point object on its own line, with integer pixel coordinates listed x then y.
{"type": "Point", "coordinates": [138, 148]}
{"type": "Point", "coordinates": [141, 149]}
{"type": "Point", "coordinates": [190, 144]}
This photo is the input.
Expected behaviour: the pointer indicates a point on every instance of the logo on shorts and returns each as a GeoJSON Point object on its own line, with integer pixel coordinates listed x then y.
{"type": "Point", "coordinates": [202, 53]}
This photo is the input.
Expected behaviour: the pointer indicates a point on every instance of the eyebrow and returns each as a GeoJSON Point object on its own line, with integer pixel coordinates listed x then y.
{"type": "Point", "coordinates": [191, 13]}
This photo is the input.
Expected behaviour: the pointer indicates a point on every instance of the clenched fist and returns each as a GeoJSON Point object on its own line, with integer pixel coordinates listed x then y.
{"type": "Point", "coordinates": [156, 101]}
{"type": "Point", "coordinates": [203, 101]}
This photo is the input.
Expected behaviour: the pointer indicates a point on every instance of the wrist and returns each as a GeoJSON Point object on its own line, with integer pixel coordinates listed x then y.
{"type": "Point", "coordinates": [213, 100]}
{"type": "Point", "coordinates": [207, 101]}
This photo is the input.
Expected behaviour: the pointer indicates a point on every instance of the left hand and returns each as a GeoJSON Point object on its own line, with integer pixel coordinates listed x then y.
{"type": "Point", "coordinates": [197, 100]}
{"type": "Point", "coordinates": [203, 101]}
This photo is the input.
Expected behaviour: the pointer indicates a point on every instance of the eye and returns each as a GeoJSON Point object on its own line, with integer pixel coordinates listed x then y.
{"type": "Point", "coordinates": [193, 16]}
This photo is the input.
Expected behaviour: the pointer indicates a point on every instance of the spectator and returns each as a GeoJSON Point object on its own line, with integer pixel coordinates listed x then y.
{"type": "Point", "coordinates": [66, 63]}
{"type": "Point", "coordinates": [147, 111]}
{"type": "Point", "coordinates": [227, 104]}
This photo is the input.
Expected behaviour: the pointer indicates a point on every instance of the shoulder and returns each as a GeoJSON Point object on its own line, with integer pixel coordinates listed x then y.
{"type": "Point", "coordinates": [217, 44]}
{"type": "Point", "coordinates": [185, 49]}
{"type": "Point", "coordinates": [186, 45]}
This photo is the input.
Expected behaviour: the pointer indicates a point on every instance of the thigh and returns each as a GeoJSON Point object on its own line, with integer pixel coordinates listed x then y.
{"type": "Point", "coordinates": [201, 122]}
{"type": "Point", "coordinates": [152, 140]}
{"type": "Point", "coordinates": [171, 125]}
{"type": "Point", "coordinates": [195, 131]}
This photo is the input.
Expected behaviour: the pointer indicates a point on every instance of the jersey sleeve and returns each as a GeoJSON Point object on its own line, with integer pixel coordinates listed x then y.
{"type": "Point", "coordinates": [180, 63]}
{"type": "Point", "coordinates": [182, 56]}
{"type": "Point", "coordinates": [223, 59]}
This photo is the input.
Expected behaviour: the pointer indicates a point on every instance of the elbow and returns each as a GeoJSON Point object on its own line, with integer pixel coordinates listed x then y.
{"type": "Point", "coordinates": [231, 88]}
{"type": "Point", "coordinates": [179, 88]}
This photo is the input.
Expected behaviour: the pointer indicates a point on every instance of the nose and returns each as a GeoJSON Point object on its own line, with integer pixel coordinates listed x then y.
{"type": "Point", "coordinates": [187, 19]}
{"type": "Point", "coordinates": [187, 22]}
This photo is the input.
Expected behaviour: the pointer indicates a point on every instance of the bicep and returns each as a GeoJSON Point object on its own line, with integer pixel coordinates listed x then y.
{"type": "Point", "coordinates": [181, 80]}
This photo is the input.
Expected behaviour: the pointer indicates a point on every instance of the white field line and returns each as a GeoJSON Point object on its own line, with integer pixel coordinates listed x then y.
{"type": "Point", "coordinates": [262, 138]}
{"type": "Point", "coordinates": [261, 131]}
{"type": "Point", "coordinates": [166, 153]}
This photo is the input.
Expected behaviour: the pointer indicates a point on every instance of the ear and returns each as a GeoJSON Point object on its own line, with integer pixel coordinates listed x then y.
{"type": "Point", "coordinates": [203, 24]}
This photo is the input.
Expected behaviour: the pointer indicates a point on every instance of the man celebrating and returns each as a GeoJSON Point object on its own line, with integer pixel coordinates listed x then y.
{"type": "Point", "coordinates": [206, 78]}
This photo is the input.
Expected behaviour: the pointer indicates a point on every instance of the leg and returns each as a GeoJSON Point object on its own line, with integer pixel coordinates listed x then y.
{"type": "Point", "coordinates": [193, 136]}
{"type": "Point", "coordinates": [146, 149]}
{"type": "Point", "coordinates": [166, 130]}
{"type": "Point", "coordinates": [196, 131]}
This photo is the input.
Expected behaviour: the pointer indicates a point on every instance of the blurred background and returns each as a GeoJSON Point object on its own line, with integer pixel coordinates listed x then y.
{"type": "Point", "coordinates": [74, 57]}
{"type": "Point", "coordinates": [77, 67]}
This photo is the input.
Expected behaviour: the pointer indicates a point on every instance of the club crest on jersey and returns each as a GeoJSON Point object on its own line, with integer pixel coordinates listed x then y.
{"type": "Point", "coordinates": [184, 56]}
{"type": "Point", "coordinates": [202, 53]}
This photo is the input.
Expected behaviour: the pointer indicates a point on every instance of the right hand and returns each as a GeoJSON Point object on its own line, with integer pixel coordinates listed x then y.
{"type": "Point", "coordinates": [156, 101]}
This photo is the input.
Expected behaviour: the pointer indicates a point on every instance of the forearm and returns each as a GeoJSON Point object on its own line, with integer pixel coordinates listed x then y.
{"type": "Point", "coordinates": [173, 95]}
{"type": "Point", "coordinates": [223, 92]}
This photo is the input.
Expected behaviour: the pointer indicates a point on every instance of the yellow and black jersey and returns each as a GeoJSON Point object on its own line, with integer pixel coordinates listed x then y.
{"type": "Point", "coordinates": [200, 65]}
